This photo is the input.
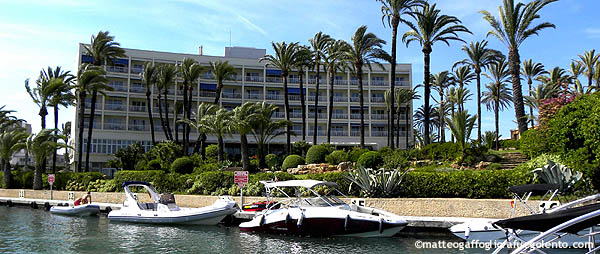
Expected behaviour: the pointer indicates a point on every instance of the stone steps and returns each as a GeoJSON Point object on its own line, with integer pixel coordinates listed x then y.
{"type": "Point", "coordinates": [512, 160]}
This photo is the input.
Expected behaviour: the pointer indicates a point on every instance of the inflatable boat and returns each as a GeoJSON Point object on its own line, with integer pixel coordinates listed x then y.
{"type": "Point", "coordinates": [80, 210]}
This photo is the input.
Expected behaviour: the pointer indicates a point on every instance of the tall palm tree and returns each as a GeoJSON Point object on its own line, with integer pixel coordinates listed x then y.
{"type": "Point", "coordinates": [264, 129]}
{"type": "Point", "coordinates": [41, 146]}
{"type": "Point", "coordinates": [392, 12]}
{"type": "Point", "coordinates": [419, 120]}
{"type": "Point", "coordinates": [333, 62]}
{"type": "Point", "coordinates": [149, 77]}
{"type": "Point", "coordinates": [66, 133]}
{"type": "Point", "coordinates": [461, 124]}
{"type": "Point", "coordinates": [364, 50]}
{"type": "Point", "coordinates": [403, 97]}
{"type": "Point", "coordinates": [498, 95]}
{"type": "Point", "coordinates": [303, 63]}
{"type": "Point", "coordinates": [104, 50]}
{"type": "Point", "coordinates": [191, 71]}
{"type": "Point", "coordinates": [463, 75]}
{"type": "Point", "coordinates": [531, 71]}
{"type": "Point", "coordinates": [589, 60]}
{"type": "Point", "coordinates": [558, 77]}
{"type": "Point", "coordinates": [11, 141]}
{"type": "Point", "coordinates": [166, 79]}
{"type": "Point", "coordinates": [513, 28]}
{"type": "Point", "coordinates": [88, 77]}
{"type": "Point", "coordinates": [387, 99]}
{"type": "Point", "coordinates": [318, 44]}
{"type": "Point", "coordinates": [541, 92]}
{"type": "Point", "coordinates": [440, 82]}
{"type": "Point", "coordinates": [460, 96]}
{"type": "Point", "coordinates": [222, 71]}
{"type": "Point", "coordinates": [285, 59]}
{"type": "Point", "coordinates": [220, 124]}
{"type": "Point", "coordinates": [203, 110]}
{"type": "Point", "coordinates": [242, 118]}
{"type": "Point", "coordinates": [479, 58]}
{"type": "Point", "coordinates": [431, 27]}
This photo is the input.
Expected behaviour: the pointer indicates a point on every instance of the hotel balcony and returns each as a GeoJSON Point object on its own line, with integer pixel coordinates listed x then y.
{"type": "Point", "coordinates": [137, 70]}
{"type": "Point", "coordinates": [320, 133]}
{"type": "Point", "coordinates": [114, 107]}
{"type": "Point", "coordinates": [275, 97]}
{"type": "Point", "coordinates": [137, 89]}
{"type": "Point", "coordinates": [137, 108]}
{"type": "Point", "coordinates": [293, 80]}
{"type": "Point", "coordinates": [339, 116]}
{"type": "Point", "coordinates": [253, 97]}
{"type": "Point", "coordinates": [294, 97]}
{"type": "Point", "coordinates": [274, 80]}
{"type": "Point", "coordinates": [155, 110]}
{"type": "Point", "coordinates": [113, 126]}
{"type": "Point", "coordinates": [119, 69]}
{"type": "Point", "coordinates": [339, 133]}
{"type": "Point", "coordinates": [354, 116]}
{"type": "Point", "coordinates": [379, 133]}
{"type": "Point", "coordinates": [232, 95]}
{"type": "Point", "coordinates": [295, 115]}
{"type": "Point", "coordinates": [377, 99]}
{"type": "Point", "coordinates": [379, 116]}
{"type": "Point", "coordinates": [340, 99]}
{"type": "Point", "coordinates": [311, 115]}
{"type": "Point", "coordinates": [378, 83]}
{"type": "Point", "coordinates": [321, 98]}
{"type": "Point", "coordinates": [207, 94]}
{"type": "Point", "coordinates": [86, 124]}
{"type": "Point", "coordinates": [118, 88]}
{"type": "Point", "coordinates": [139, 127]}
{"type": "Point", "coordinates": [254, 79]}
{"type": "Point", "coordinates": [278, 115]}
{"type": "Point", "coordinates": [340, 82]}
{"type": "Point", "coordinates": [314, 81]}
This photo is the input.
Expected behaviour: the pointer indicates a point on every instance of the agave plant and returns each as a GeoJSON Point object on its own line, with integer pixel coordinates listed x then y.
{"type": "Point", "coordinates": [380, 183]}
{"type": "Point", "coordinates": [557, 173]}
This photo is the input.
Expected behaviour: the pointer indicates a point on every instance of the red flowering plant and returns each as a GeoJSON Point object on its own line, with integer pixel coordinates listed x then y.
{"type": "Point", "coordinates": [549, 107]}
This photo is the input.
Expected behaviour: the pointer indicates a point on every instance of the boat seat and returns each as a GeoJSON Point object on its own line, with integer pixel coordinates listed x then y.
{"type": "Point", "coordinates": [147, 206]}
{"type": "Point", "coordinates": [167, 198]}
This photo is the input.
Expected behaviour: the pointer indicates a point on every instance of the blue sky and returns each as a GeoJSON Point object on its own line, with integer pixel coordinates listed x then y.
{"type": "Point", "coordinates": [36, 34]}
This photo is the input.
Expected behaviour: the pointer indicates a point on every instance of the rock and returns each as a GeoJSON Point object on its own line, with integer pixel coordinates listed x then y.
{"type": "Point", "coordinates": [421, 163]}
{"type": "Point", "coordinates": [344, 166]}
{"type": "Point", "coordinates": [482, 165]}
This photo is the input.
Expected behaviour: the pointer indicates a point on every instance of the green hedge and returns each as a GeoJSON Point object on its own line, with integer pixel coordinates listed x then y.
{"type": "Point", "coordinates": [163, 182]}
{"type": "Point", "coordinates": [336, 177]}
{"type": "Point", "coordinates": [370, 159]}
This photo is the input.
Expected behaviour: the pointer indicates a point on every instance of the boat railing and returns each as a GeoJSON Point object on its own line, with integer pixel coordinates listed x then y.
{"type": "Point", "coordinates": [575, 202]}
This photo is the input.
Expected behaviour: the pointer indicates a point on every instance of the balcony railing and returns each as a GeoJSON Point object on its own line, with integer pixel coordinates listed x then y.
{"type": "Point", "coordinates": [232, 95]}
{"type": "Point", "coordinates": [118, 88]}
{"type": "Point", "coordinates": [86, 124]}
{"type": "Point", "coordinates": [314, 81]}
{"type": "Point", "coordinates": [275, 97]}
{"type": "Point", "coordinates": [402, 83]}
{"type": "Point", "coordinates": [340, 82]}
{"type": "Point", "coordinates": [379, 83]}
{"type": "Point", "coordinates": [354, 116]}
{"type": "Point", "coordinates": [137, 89]}
{"type": "Point", "coordinates": [379, 116]}
{"type": "Point", "coordinates": [253, 96]}
{"type": "Point", "coordinates": [113, 126]}
{"type": "Point", "coordinates": [293, 80]}
{"type": "Point", "coordinates": [137, 108]}
{"type": "Point", "coordinates": [137, 70]}
{"type": "Point", "coordinates": [320, 115]}
{"type": "Point", "coordinates": [119, 69]}
{"type": "Point", "coordinates": [207, 76]}
{"type": "Point", "coordinates": [207, 94]}
{"type": "Point", "coordinates": [340, 99]}
{"type": "Point", "coordinates": [357, 133]}
{"type": "Point", "coordinates": [139, 127]}
{"type": "Point", "coordinates": [354, 82]}
{"type": "Point", "coordinates": [340, 116]}
{"type": "Point", "coordinates": [355, 99]}
{"type": "Point", "coordinates": [321, 98]}
{"type": "Point", "coordinates": [274, 80]}
{"type": "Point", "coordinates": [295, 115]}
{"type": "Point", "coordinates": [379, 133]}
{"type": "Point", "coordinates": [294, 97]}
{"type": "Point", "coordinates": [254, 79]}
{"type": "Point", "coordinates": [89, 105]}
{"type": "Point", "coordinates": [339, 133]}
{"type": "Point", "coordinates": [319, 133]}
{"type": "Point", "coordinates": [118, 107]}
{"type": "Point", "coordinates": [377, 99]}
{"type": "Point", "coordinates": [278, 115]}
{"type": "Point", "coordinates": [170, 91]}
{"type": "Point", "coordinates": [155, 110]}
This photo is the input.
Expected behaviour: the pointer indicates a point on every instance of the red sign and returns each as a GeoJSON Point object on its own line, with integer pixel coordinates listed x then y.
{"type": "Point", "coordinates": [51, 179]}
{"type": "Point", "coordinates": [240, 177]}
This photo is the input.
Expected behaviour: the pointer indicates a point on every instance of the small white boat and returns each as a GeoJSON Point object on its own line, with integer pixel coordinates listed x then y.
{"type": "Point", "coordinates": [80, 210]}
{"type": "Point", "coordinates": [164, 210]}
{"type": "Point", "coordinates": [323, 215]}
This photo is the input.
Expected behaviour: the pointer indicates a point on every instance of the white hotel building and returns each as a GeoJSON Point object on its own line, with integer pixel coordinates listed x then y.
{"type": "Point", "coordinates": [121, 117]}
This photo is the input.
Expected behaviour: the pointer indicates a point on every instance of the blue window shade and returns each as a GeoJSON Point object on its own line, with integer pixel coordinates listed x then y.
{"type": "Point", "coordinates": [273, 72]}
{"type": "Point", "coordinates": [121, 61]}
{"type": "Point", "coordinates": [355, 124]}
{"type": "Point", "coordinates": [210, 87]}
{"type": "Point", "coordinates": [87, 59]}
{"type": "Point", "coordinates": [295, 90]}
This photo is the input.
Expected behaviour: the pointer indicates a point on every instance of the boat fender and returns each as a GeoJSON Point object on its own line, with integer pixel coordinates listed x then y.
{"type": "Point", "coordinates": [300, 219]}
{"type": "Point", "coordinates": [467, 232]}
{"type": "Point", "coordinates": [380, 225]}
{"type": "Point", "coordinates": [288, 219]}
{"type": "Point", "coordinates": [34, 205]}
{"type": "Point", "coordinates": [9, 203]}
{"type": "Point", "coordinates": [347, 222]}
{"type": "Point", "coordinates": [108, 209]}
{"type": "Point", "coordinates": [262, 220]}
{"type": "Point", "coordinates": [47, 206]}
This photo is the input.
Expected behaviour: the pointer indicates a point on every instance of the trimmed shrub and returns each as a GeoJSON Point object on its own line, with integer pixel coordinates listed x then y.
{"type": "Point", "coordinates": [444, 151]}
{"type": "Point", "coordinates": [300, 148]}
{"type": "Point", "coordinates": [154, 165]}
{"type": "Point", "coordinates": [209, 182]}
{"type": "Point", "coordinates": [166, 152]}
{"type": "Point", "coordinates": [533, 143]}
{"type": "Point", "coordinates": [329, 147]}
{"type": "Point", "coordinates": [162, 181]}
{"type": "Point", "coordinates": [205, 167]}
{"type": "Point", "coordinates": [395, 160]}
{"type": "Point", "coordinates": [355, 153]}
{"type": "Point", "coordinates": [73, 181]}
{"type": "Point", "coordinates": [292, 161]}
{"type": "Point", "coordinates": [370, 159]}
{"type": "Point", "coordinates": [316, 154]}
{"type": "Point", "coordinates": [212, 152]}
{"type": "Point", "coordinates": [272, 160]}
{"type": "Point", "coordinates": [183, 165]}
{"type": "Point", "coordinates": [268, 176]}
{"type": "Point", "coordinates": [337, 157]}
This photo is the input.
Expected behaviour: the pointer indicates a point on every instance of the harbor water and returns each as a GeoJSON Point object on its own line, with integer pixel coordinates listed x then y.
{"type": "Point", "coordinates": [26, 230]}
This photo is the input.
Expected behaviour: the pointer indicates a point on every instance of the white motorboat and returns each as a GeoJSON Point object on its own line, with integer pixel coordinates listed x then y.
{"type": "Point", "coordinates": [164, 210]}
{"type": "Point", "coordinates": [322, 215]}
{"type": "Point", "coordinates": [80, 210]}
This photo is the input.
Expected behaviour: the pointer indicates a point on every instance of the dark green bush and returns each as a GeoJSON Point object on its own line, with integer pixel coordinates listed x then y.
{"type": "Point", "coordinates": [385, 151]}
{"type": "Point", "coordinates": [292, 161]}
{"type": "Point", "coordinates": [268, 176]}
{"type": "Point", "coordinates": [68, 181]}
{"type": "Point", "coordinates": [209, 182]}
{"type": "Point", "coordinates": [129, 156]}
{"type": "Point", "coordinates": [336, 177]}
{"type": "Point", "coordinates": [493, 166]}
{"type": "Point", "coordinates": [205, 167]}
{"type": "Point", "coordinates": [300, 148]}
{"type": "Point", "coordinates": [183, 165]}
{"type": "Point", "coordinates": [445, 151]}
{"type": "Point", "coordinates": [337, 157]}
{"type": "Point", "coordinates": [154, 165]}
{"type": "Point", "coordinates": [166, 152]}
{"type": "Point", "coordinates": [163, 182]}
{"type": "Point", "coordinates": [370, 159]}
{"type": "Point", "coordinates": [212, 152]}
{"type": "Point", "coordinates": [355, 153]}
{"type": "Point", "coordinates": [329, 147]}
{"type": "Point", "coordinates": [510, 143]}
{"type": "Point", "coordinates": [533, 143]}
{"type": "Point", "coordinates": [273, 161]}
{"type": "Point", "coordinates": [316, 154]}
{"type": "Point", "coordinates": [397, 159]}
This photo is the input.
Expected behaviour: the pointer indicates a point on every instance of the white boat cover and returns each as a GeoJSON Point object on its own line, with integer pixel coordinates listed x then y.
{"type": "Point", "coordinates": [298, 183]}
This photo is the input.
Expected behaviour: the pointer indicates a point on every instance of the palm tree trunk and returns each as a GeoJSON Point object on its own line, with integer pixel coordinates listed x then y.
{"type": "Point", "coordinates": [288, 128]}
{"type": "Point", "coordinates": [244, 152]}
{"type": "Point", "coordinates": [362, 102]}
{"type": "Point", "coordinates": [302, 105]}
{"type": "Point", "coordinates": [478, 107]}
{"type": "Point", "coordinates": [37, 177]}
{"type": "Point", "coordinates": [496, 120]}
{"type": "Point", "coordinates": [148, 101]}
{"type": "Point", "coordinates": [218, 92]}
{"type": "Point", "coordinates": [185, 116]}
{"type": "Point", "coordinates": [513, 56]}
{"type": "Point", "coordinates": [43, 114]}
{"type": "Point", "coordinates": [203, 146]}
{"type": "Point", "coordinates": [442, 113]}
{"type": "Point", "coordinates": [189, 115]}
{"type": "Point", "coordinates": [220, 148]}
{"type": "Point", "coordinates": [330, 111]}
{"type": "Point", "coordinates": [452, 134]}
{"type": "Point", "coordinates": [7, 174]}
{"type": "Point", "coordinates": [395, 22]}
{"type": "Point", "coordinates": [176, 126]}
{"type": "Point", "coordinates": [80, 130]}
{"type": "Point", "coordinates": [316, 124]}
{"type": "Point", "coordinates": [531, 108]}
{"type": "Point", "coordinates": [90, 130]}
{"type": "Point", "coordinates": [55, 140]}
{"type": "Point", "coordinates": [167, 122]}
{"type": "Point", "coordinates": [408, 128]}
{"type": "Point", "coordinates": [261, 155]}
{"type": "Point", "coordinates": [398, 130]}
{"type": "Point", "coordinates": [427, 94]}
{"type": "Point", "coordinates": [160, 113]}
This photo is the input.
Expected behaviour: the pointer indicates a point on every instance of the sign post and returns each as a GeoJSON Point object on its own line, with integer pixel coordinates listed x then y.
{"type": "Point", "coordinates": [51, 182]}
{"type": "Point", "coordinates": [241, 178]}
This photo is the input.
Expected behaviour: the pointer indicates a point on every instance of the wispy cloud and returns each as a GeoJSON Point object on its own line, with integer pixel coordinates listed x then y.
{"type": "Point", "coordinates": [592, 32]}
{"type": "Point", "coordinates": [251, 25]}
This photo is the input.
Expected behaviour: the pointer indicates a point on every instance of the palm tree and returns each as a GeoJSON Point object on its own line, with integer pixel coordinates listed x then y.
{"type": "Point", "coordinates": [462, 76]}
{"type": "Point", "coordinates": [364, 50]}
{"type": "Point", "coordinates": [557, 77]}
{"type": "Point", "coordinates": [149, 77]}
{"type": "Point", "coordinates": [516, 25]}
{"type": "Point", "coordinates": [166, 78]}
{"type": "Point", "coordinates": [303, 62]}
{"type": "Point", "coordinates": [285, 59]}
{"type": "Point", "coordinates": [220, 124]}
{"type": "Point", "coordinates": [531, 71]}
{"type": "Point", "coordinates": [541, 92]}
{"type": "Point", "coordinates": [479, 58]}
{"type": "Point", "coordinates": [318, 44]}
{"type": "Point", "coordinates": [403, 97]}
{"type": "Point", "coordinates": [460, 96]}
{"type": "Point", "coordinates": [66, 133]}
{"type": "Point", "coordinates": [392, 11]}
{"type": "Point", "coordinates": [41, 146]}
{"type": "Point", "coordinates": [431, 27]}
{"type": "Point", "coordinates": [203, 110]}
{"type": "Point", "coordinates": [498, 95]}
{"type": "Point", "coordinates": [589, 60]}
{"type": "Point", "coordinates": [88, 78]}
{"type": "Point", "coordinates": [461, 124]}
{"type": "Point", "coordinates": [62, 96]}
{"type": "Point", "coordinates": [333, 62]}
{"type": "Point", "coordinates": [264, 129]}
{"type": "Point", "coordinates": [419, 120]}
{"type": "Point", "coordinates": [221, 71]}
{"type": "Point", "coordinates": [11, 141]}
{"type": "Point", "coordinates": [103, 50]}
{"type": "Point", "coordinates": [242, 118]}
{"type": "Point", "coordinates": [440, 82]}
{"type": "Point", "coordinates": [191, 71]}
